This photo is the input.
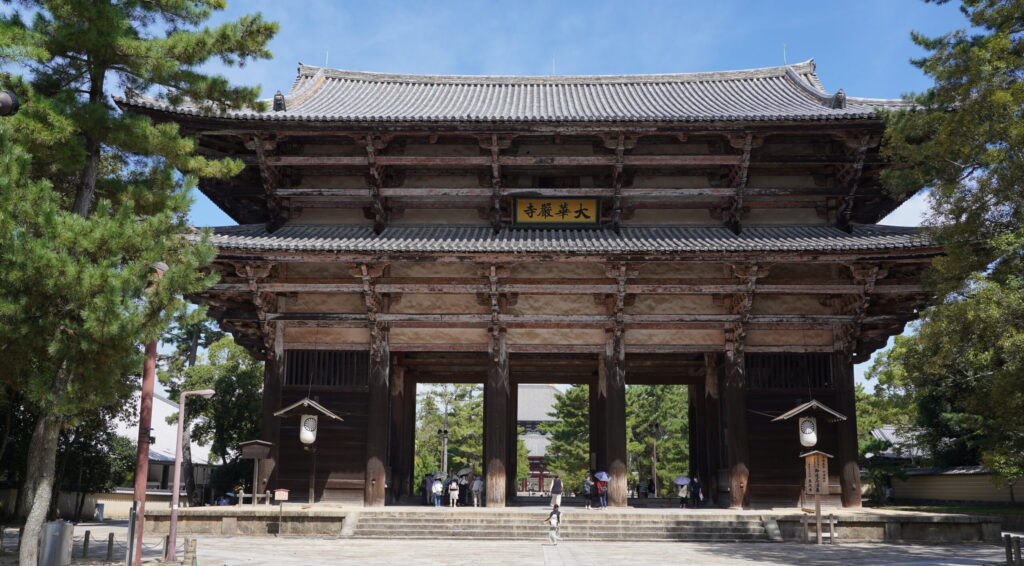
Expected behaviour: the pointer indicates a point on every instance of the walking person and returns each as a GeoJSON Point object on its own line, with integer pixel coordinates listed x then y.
{"type": "Point", "coordinates": [602, 493]}
{"type": "Point", "coordinates": [437, 488]}
{"type": "Point", "coordinates": [588, 491]}
{"type": "Point", "coordinates": [650, 488]}
{"type": "Point", "coordinates": [476, 488]}
{"type": "Point", "coordinates": [453, 492]}
{"type": "Point", "coordinates": [428, 485]}
{"type": "Point", "coordinates": [556, 491]}
{"type": "Point", "coordinates": [684, 494]}
{"type": "Point", "coordinates": [696, 492]}
{"type": "Point", "coordinates": [553, 520]}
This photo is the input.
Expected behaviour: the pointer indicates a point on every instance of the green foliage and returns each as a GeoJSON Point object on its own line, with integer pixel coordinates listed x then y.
{"type": "Point", "coordinates": [463, 404]}
{"type": "Point", "coordinates": [964, 142]}
{"type": "Point", "coordinates": [232, 415]}
{"type": "Point", "coordinates": [1007, 468]}
{"type": "Point", "coordinates": [964, 369]}
{"type": "Point", "coordinates": [569, 451]}
{"type": "Point", "coordinates": [657, 416]}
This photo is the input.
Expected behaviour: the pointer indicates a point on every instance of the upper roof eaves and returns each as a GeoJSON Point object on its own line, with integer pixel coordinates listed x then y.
{"type": "Point", "coordinates": [785, 93]}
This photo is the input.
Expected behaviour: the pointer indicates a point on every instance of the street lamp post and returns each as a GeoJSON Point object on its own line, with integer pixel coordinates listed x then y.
{"type": "Point", "coordinates": [171, 555]}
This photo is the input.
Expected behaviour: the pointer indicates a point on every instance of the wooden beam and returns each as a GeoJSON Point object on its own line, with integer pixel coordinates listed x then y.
{"type": "Point", "coordinates": [567, 287]}
{"type": "Point", "coordinates": [849, 178]}
{"type": "Point", "coordinates": [625, 192]}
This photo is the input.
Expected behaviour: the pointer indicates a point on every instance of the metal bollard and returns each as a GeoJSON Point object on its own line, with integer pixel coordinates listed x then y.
{"type": "Point", "coordinates": [1016, 552]}
{"type": "Point", "coordinates": [110, 547]}
{"type": "Point", "coordinates": [85, 545]}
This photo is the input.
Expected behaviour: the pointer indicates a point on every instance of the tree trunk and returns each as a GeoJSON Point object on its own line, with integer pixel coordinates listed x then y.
{"type": "Point", "coordinates": [42, 456]}
{"type": "Point", "coordinates": [187, 469]}
{"type": "Point", "coordinates": [86, 193]}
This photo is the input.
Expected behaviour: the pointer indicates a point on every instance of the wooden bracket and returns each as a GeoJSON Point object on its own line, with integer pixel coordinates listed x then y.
{"type": "Point", "coordinates": [733, 215]}
{"type": "Point", "coordinates": [271, 179]}
{"type": "Point", "coordinates": [375, 180]}
{"type": "Point", "coordinates": [848, 176]}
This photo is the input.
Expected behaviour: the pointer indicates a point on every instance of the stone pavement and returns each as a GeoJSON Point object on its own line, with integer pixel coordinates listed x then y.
{"type": "Point", "coordinates": [268, 551]}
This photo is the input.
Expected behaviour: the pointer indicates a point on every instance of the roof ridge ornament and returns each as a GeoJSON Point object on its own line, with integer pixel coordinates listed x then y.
{"type": "Point", "coordinates": [837, 101]}
{"type": "Point", "coordinates": [279, 102]}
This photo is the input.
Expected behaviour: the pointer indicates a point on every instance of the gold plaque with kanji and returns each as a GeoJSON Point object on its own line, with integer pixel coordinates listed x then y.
{"type": "Point", "coordinates": [557, 211]}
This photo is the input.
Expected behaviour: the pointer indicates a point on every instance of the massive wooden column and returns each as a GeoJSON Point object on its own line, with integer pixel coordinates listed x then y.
{"type": "Point", "coordinates": [697, 418]}
{"type": "Point", "coordinates": [270, 426]}
{"type": "Point", "coordinates": [736, 426]}
{"type": "Point", "coordinates": [400, 451]}
{"type": "Point", "coordinates": [497, 392]}
{"type": "Point", "coordinates": [846, 457]}
{"type": "Point", "coordinates": [598, 452]}
{"type": "Point", "coordinates": [377, 419]}
{"type": "Point", "coordinates": [712, 426]}
{"type": "Point", "coordinates": [511, 485]}
{"type": "Point", "coordinates": [612, 390]}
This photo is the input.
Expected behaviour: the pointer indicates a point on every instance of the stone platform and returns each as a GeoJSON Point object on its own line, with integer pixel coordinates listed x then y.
{"type": "Point", "coordinates": [525, 523]}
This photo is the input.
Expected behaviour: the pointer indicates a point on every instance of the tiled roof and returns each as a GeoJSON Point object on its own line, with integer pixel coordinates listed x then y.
{"type": "Point", "coordinates": [535, 401]}
{"type": "Point", "coordinates": [791, 92]}
{"type": "Point", "coordinates": [634, 239]}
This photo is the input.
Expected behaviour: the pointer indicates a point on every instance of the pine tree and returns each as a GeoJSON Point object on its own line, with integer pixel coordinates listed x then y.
{"type": "Point", "coordinates": [189, 333]}
{"type": "Point", "coordinates": [75, 295]}
{"type": "Point", "coordinates": [569, 451]}
{"type": "Point", "coordinates": [963, 142]}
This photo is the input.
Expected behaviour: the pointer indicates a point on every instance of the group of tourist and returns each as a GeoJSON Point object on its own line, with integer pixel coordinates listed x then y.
{"type": "Point", "coordinates": [454, 491]}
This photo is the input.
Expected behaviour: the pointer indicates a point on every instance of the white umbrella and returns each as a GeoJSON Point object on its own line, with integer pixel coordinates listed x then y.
{"type": "Point", "coordinates": [464, 471]}
{"type": "Point", "coordinates": [681, 480]}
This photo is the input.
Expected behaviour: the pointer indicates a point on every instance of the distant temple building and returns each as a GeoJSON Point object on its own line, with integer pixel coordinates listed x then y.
{"type": "Point", "coordinates": [716, 230]}
{"type": "Point", "coordinates": [536, 403]}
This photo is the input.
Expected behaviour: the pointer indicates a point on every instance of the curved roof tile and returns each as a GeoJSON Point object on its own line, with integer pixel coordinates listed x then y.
{"type": "Point", "coordinates": [634, 239]}
{"type": "Point", "coordinates": [791, 92]}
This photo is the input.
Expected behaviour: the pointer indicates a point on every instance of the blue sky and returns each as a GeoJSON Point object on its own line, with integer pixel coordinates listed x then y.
{"type": "Point", "coordinates": [863, 47]}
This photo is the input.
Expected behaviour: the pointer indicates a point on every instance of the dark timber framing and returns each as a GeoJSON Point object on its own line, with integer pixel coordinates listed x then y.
{"type": "Point", "coordinates": [737, 254]}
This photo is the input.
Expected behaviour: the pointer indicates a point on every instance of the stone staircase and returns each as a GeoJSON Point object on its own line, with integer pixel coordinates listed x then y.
{"type": "Point", "coordinates": [577, 524]}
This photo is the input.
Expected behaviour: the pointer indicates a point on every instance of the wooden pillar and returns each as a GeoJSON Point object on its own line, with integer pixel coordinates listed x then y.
{"type": "Point", "coordinates": [598, 452]}
{"type": "Point", "coordinates": [736, 427]}
{"type": "Point", "coordinates": [270, 426]}
{"type": "Point", "coordinates": [398, 453]}
{"type": "Point", "coordinates": [409, 438]}
{"type": "Point", "coordinates": [497, 390]}
{"type": "Point", "coordinates": [377, 419]}
{"type": "Point", "coordinates": [713, 426]}
{"type": "Point", "coordinates": [846, 457]}
{"type": "Point", "coordinates": [698, 433]}
{"type": "Point", "coordinates": [612, 389]}
{"type": "Point", "coordinates": [511, 485]}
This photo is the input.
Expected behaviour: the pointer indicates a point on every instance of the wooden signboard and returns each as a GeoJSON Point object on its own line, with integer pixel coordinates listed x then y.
{"type": "Point", "coordinates": [816, 473]}
{"type": "Point", "coordinates": [576, 211]}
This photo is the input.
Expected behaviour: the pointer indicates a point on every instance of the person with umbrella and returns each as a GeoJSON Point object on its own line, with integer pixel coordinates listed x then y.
{"type": "Point", "coordinates": [684, 489]}
{"type": "Point", "coordinates": [602, 489]}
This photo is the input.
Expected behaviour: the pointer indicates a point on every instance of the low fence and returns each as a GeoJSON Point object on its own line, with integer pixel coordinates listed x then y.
{"type": "Point", "coordinates": [109, 549]}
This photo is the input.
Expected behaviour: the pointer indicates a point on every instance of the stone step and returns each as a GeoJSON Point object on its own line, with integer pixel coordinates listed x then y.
{"type": "Point", "coordinates": [565, 537]}
{"type": "Point", "coordinates": [567, 526]}
{"type": "Point", "coordinates": [565, 522]}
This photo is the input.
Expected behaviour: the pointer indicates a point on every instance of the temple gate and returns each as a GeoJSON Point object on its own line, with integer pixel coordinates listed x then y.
{"type": "Point", "coordinates": [710, 229]}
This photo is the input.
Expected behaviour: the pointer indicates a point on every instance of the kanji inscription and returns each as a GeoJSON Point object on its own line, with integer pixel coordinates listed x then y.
{"type": "Point", "coordinates": [557, 211]}
{"type": "Point", "coordinates": [816, 473]}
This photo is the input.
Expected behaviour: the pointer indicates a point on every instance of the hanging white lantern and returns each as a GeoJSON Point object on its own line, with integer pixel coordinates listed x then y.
{"type": "Point", "coordinates": [808, 431]}
{"type": "Point", "coordinates": [307, 429]}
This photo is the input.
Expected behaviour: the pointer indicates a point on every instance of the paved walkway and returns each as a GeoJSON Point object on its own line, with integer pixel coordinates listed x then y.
{"type": "Point", "coordinates": [267, 551]}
